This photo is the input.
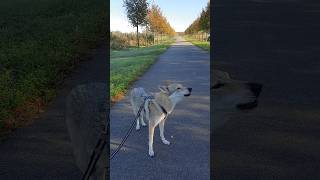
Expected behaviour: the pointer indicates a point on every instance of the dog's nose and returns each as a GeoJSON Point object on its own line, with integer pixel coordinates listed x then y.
{"type": "Point", "coordinates": [190, 89]}
{"type": "Point", "coordinates": [255, 88]}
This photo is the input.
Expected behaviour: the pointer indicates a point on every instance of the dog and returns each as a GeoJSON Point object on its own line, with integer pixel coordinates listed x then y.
{"type": "Point", "coordinates": [86, 117]}
{"type": "Point", "coordinates": [230, 95]}
{"type": "Point", "coordinates": [157, 109]}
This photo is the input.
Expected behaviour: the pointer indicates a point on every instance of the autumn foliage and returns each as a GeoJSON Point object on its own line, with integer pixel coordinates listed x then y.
{"type": "Point", "coordinates": [157, 22]}
{"type": "Point", "coordinates": [156, 28]}
{"type": "Point", "coordinates": [202, 23]}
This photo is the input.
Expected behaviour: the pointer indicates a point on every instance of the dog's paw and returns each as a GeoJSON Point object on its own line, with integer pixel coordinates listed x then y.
{"type": "Point", "coordinates": [137, 128]}
{"type": "Point", "coordinates": [165, 142]}
{"type": "Point", "coordinates": [143, 124]}
{"type": "Point", "coordinates": [151, 153]}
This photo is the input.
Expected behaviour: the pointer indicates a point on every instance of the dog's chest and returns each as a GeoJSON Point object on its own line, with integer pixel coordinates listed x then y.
{"type": "Point", "coordinates": [155, 117]}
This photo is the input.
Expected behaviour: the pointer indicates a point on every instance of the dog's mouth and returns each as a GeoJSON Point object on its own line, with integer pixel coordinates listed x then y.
{"type": "Point", "coordinates": [190, 90]}
{"type": "Point", "coordinates": [249, 105]}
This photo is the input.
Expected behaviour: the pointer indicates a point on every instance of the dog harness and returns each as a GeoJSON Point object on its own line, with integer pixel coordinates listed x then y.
{"type": "Point", "coordinates": [151, 97]}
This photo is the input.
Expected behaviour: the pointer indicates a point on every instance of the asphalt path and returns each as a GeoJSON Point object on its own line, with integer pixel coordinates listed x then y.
{"type": "Point", "coordinates": [187, 128]}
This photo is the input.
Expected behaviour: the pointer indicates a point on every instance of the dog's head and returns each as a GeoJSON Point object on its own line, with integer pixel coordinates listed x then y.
{"type": "Point", "coordinates": [234, 94]}
{"type": "Point", "coordinates": [175, 90]}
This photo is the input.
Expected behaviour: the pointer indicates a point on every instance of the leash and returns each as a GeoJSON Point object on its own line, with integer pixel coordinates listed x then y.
{"type": "Point", "coordinates": [96, 154]}
{"type": "Point", "coordinates": [102, 142]}
{"type": "Point", "coordinates": [131, 127]}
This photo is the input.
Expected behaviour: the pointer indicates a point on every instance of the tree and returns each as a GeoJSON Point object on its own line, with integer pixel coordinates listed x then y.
{"type": "Point", "coordinates": [136, 12]}
{"type": "Point", "coordinates": [202, 23]}
{"type": "Point", "coordinates": [157, 22]}
{"type": "Point", "coordinates": [205, 19]}
{"type": "Point", "coordinates": [194, 27]}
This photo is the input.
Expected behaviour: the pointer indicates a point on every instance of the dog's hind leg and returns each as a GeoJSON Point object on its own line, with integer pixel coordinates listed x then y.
{"type": "Point", "coordinates": [141, 118]}
{"type": "Point", "coordinates": [151, 133]}
{"type": "Point", "coordinates": [161, 128]}
{"type": "Point", "coordinates": [135, 111]}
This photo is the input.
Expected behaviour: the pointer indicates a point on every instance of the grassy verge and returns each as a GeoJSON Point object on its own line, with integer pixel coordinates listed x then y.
{"type": "Point", "coordinates": [201, 44]}
{"type": "Point", "coordinates": [40, 42]}
{"type": "Point", "coordinates": [127, 65]}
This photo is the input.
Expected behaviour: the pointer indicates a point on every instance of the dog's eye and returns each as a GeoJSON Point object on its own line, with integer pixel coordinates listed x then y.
{"type": "Point", "coordinates": [178, 88]}
{"type": "Point", "coordinates": [218, 85]}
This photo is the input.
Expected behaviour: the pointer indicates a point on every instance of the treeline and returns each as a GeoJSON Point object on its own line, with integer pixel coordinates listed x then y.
{"type": "Point", "coordinates": [157, 22]}
{"type": "Point", "coordinates": [119, 40]}
{"type": "Point", "coordinates": [200, 28]}
{"type": "Point", "coordinates": [140, 14]}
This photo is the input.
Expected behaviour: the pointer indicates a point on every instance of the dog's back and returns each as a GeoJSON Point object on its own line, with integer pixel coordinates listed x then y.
{"type": "Point", "coordinates": [86, 112]}
{"type": "Point", "coordinates": [136, 97]}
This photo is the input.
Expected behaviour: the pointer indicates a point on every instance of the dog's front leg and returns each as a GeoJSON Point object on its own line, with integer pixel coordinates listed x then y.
{"type": "Point", "coordinates": [151, 132]}
{"type": "Point", "coordinates": [161, 127]}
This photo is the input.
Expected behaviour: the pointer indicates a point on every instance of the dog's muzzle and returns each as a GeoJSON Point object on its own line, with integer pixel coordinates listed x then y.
{"type": "Point", "coordinates": [256, 90]}
{"type": "Point", "coordinates": [249, 105]}
{"type": "Point", "coordinates": [189, 89]}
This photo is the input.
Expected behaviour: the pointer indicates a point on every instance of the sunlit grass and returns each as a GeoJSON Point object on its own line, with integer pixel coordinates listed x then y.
{"type": "Point", "coordinates": [205, 45]}
{"type": "Point", "coordinates": [127, 65]}
{"type": "Point", "coordinates": [40, 42]}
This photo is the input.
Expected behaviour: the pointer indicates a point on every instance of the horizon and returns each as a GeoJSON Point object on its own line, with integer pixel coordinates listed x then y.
{"type": "Point", "coordinates": [179, 20]}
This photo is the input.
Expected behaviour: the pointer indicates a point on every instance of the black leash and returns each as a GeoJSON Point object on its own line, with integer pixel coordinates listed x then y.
{"type": "Point", "coordinates": [102, 142]}
{"type": "Point", "coordinates": [130, 129]}
{"type": "Point", "coordinates": [95, 156]}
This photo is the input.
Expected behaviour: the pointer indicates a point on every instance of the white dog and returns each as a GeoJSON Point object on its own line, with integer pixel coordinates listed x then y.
{"type": "Point", "coordinates": [157, 109]}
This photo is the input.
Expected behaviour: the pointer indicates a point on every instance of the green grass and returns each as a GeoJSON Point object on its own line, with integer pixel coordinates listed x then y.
{"type": "Point", "coordinates": [201, 44]}
{"type": "Point", "coordinates": [127, 65]}
{"type": "Point", "coordinates": [40, 42]}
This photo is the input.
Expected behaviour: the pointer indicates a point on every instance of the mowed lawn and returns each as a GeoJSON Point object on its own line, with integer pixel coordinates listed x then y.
{"type": "Point", "coordinates": [201, 44]}
{"type": "Point", "coordinates": [205, 45]}
{"type": "Point", "coordinates": [40, 42]}
{"type": "Point", "coordinates": [127, 65]}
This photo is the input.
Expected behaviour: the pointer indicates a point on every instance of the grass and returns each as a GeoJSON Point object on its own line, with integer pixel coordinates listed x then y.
{"type": "Point", "coordinates": [205, 45]}
{"type": "Point", "coordinates": [40, 42]}
{"type": "Point", "coordinates": [127, 65]}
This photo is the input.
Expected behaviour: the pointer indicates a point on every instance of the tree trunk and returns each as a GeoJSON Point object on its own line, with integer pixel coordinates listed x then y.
{"type": "Point", "coordinates": [147, 40]}
{"type": "Point", "coordinates": [138, 36]}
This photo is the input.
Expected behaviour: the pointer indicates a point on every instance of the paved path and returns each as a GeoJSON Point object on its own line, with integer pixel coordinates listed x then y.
{"type": "Point", "coordinates": [262, 41]}
{"type": "Point", "coordinates": [188, 127]}
{"type": "Point", "coordinates": [43, 150]}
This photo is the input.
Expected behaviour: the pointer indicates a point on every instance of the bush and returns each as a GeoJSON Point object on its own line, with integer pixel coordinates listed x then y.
{"type": "Point", "coordinates": [119, 41]}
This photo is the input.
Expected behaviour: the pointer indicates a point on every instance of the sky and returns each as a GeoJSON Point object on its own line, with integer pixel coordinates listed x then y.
{"type": "Point", "coordinates": [179, 13]}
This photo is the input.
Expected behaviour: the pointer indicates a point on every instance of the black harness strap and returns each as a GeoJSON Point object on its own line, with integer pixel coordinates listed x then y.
{"type": "Point", "coordinates": [164, 111]}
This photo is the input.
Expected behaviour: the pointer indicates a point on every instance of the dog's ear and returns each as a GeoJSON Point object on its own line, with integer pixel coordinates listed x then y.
{"type": "Point", "coordinates": [164, 89]}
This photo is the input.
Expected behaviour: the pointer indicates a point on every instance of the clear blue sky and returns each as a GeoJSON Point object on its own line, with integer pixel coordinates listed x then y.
{"type": "Point", "coordinates": [179, 13]}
